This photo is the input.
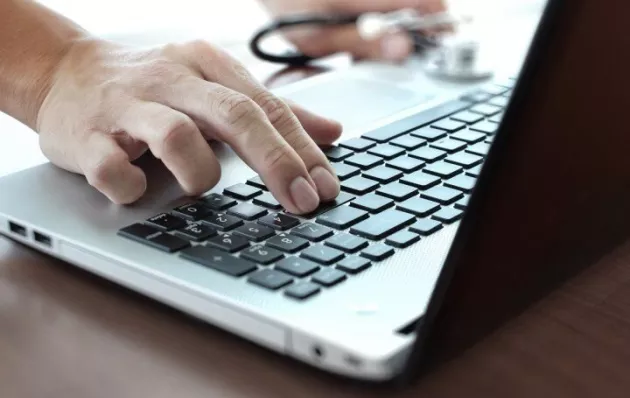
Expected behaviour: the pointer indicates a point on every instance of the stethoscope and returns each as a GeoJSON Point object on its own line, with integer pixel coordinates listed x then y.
{"type": "Point", "coordinates": [452, 56]}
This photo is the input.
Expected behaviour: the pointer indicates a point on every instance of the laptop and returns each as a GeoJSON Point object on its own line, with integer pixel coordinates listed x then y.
{"type": "Point", "coordinates": [455, 215]}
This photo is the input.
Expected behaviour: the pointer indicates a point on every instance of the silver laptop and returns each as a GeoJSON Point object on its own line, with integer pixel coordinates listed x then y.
{"type": "Point", "coordinates": [337, 289]}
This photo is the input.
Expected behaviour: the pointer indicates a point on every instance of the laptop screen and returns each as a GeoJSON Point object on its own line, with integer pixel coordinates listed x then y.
{"type": "Point", "coordinates": [554, 193]}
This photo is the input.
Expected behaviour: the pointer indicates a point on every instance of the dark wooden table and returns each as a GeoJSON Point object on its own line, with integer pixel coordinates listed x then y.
{"type": "Point", "coordinates": [65, 333]}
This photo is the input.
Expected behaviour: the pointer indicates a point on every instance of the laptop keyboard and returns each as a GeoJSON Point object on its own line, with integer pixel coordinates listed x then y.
{"type": "Point", "coordinates": [400, 184]}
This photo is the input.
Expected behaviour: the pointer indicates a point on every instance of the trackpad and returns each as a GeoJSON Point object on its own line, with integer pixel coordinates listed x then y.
{"type": "Point", "coordinates": [355, 102]}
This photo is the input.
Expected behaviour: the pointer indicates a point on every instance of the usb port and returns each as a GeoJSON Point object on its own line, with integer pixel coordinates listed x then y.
{"type": "Point", "coordinates": [43, 239]}
{"type": "Point", "coordinates": [17, 229]}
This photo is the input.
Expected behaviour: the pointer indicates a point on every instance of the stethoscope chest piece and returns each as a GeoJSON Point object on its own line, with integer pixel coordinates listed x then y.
{"type": "Point", "coordinates": [458, 58]}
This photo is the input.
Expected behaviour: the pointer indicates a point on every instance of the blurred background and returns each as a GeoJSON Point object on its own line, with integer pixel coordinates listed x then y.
{"type": "Point", "coordinates": [508, 25]}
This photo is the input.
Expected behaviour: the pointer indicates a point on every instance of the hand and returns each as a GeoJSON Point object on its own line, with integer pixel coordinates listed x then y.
{"type": "Point", "coordinates": [108, 104]}
{"type": "Point", "coordinates": [322, 41]}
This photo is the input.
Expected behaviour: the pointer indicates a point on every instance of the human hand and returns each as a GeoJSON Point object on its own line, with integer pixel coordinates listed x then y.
{"type": "Point", "coordinates": [109, 104]}
{"type": "Point", "coordinates": [322, 41]}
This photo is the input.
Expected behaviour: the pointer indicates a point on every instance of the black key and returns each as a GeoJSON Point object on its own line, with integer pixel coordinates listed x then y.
{"type": "Point", "coordinates": [448, 215]}
{"type": "Point", "coordinates": [443, 169]}
{"type": "Point", "coordinates": [279, 221]}
{"type": "Point", "coordinates": [386, 151]}
{"type": "Point", "coordinates": [354, 264]}
{"type": "Point", "coordinates": [228, 242]}
{"type": "Point", "coordinates": [242, 191]}
{"type": "Point", "coordinates": [345, 171]}
{"type": "Point", "coordinates": [222, 221]}
{"type": "Point", "coordinates": [267, 200]}
{"type": "Point", "coordinates": [496, 118]}
{"type": "Point", "coordinates": [478, 96]}
{"type": "Point", "coordinates": [428, 154]}
{"type": "Point", "coordinates": [218, 260]}
{"type": "Point", "coordinates": [341, 199]}
{"type": "Point", "coordinates": [474, 172]}
{"type": "Point", "coordinates": [166, 222]}
{"type": "Point", "coordinates": [485, 109]}
{"type": "Point", "coordinates": [193, 212]}
{"type": "Point", "coordinates": [429, 133]}
{"type": "Point", "coordinates": [312, 232]}
{"type": "Point", "coordinates": [470, 137]}
{"type": "Point", "coordinates": [462, 204]}
{"type": "Point", "coordinates": [302, 290]}
{"type": "Point", "coordinates": [359, 185]}
{"type": "Point", "coordinates": [342, 217]}
{"type": "Point", "coordinates": [409, 142]}
{"type": "Point", "coordinates": [337, 154]}
{"type": "Point", "coordinates": [261, 254]}
{"type": "Point", "coordinates": [419, 207]}
{"type": "Point", "coordinates": [383, 174]}
{"type": "Point", "coordinates": [397, 191]}
{"type": "Point", "coordinates": [346, 242]}
{"type": "Point", "coordinates": [406, 164]}
{"type": "Point", "coordinates": [322, 254]}
{"type": "Point", "coordinates": [421, 180]}
{"type": "Point", "coordinates": [402, 239]}
{"type": "Point", "coordinates": [442, 195]}
{"type": "Point", "coordinates": [196, 231]}
{"type": "Point", "coordinates": [420, 119]}
{"type": "Point", "coordinates": [462, 182]}
{"type": "Point", "coordinates": [364, 161]}
{"type": "Point", "coordinates": [485, 127]}
{"type": "Point", "coordinates": [270, 279]}
{"type": "Point", "coordinates": [254, 232]}
{"type": "Point", "coordinates": [480, 149]}
{"type": "Point", "coordinates": [373, 203]}
{"type": "Point", "coordinates": [287, 243]}
{"type": "Point", "coordinates": [449, 145]}
{"type": "Point", "coordinates": [297, 266]}
{"type": "Point", "coordinates": [467, 117]}
{"type": "Point", "coordinates": [329, 277]}
{"type": "Point", "coordinates": [247, 211]}
{"type": "Point", "coordinates": [139, 231]}
{"type": "Point", "coordinates": [257, 182]}
{"type": "Point", "coordinates": [357, 144]}
{"type": "Point", "coordinates": [499, 101]}
{"type": "Point", "coordinates": [153, 237]}
{"type": "Point", "coordinates": [448, 125]}
{"type": "Point", "coordinates": [425, 226]}
{"type": "Point", "coordinates": [218, 202]}
{"type": "Point", "coordinates": [378, 252]}
{"type": "Point", "coordinates": [383, 224]}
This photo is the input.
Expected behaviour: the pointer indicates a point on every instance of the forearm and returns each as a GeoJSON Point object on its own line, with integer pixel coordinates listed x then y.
{"type": "Point", "coordinates": [33, 39]}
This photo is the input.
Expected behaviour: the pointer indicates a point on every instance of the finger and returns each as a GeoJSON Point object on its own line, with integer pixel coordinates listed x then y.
{"type": "Point", "coordinates": [236, 120]}
{"type": "Point", "coordinates": [218, 66]}
{"type": "Point", "coordinates": [323, 131]}
{"type": "Point", "coordinates": [107, 168]}
{"type": "Point", "coordinates": [176, 140]}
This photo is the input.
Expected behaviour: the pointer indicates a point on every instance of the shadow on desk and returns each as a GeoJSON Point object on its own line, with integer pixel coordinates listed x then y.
{"type": "Point", "coordinates": [67, 333]}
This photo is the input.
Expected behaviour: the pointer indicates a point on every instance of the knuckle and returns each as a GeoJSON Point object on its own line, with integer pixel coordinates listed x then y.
{"type": "Point", "coordinates": [298, 139]}
{"type": "Point", "coordinates": [238, 108]}
{"type": "Point", "coordinates": [276, 110]}
{"type": "Point", "coordinates": [177, 132]}
{"type": "Point", "coordinates": [276, 156]}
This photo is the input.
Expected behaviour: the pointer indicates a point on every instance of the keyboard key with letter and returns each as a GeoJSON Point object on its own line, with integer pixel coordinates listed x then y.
{"type": "Point", "coordinates": [229, 242]}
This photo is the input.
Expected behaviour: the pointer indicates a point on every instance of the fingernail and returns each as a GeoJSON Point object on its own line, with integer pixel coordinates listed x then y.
{"type": "Point", "coordinates": [395, 47]}
{"type": "Point", "coordinates": [327, 184]}
{"type": "Point", "coordinates": [304, 196]}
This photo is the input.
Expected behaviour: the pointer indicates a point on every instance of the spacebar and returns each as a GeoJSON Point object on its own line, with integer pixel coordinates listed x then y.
{"type": "Point", "coordinates": [218, 260]}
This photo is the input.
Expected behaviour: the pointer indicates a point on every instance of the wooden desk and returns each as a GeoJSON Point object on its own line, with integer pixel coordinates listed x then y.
{"type": "Point", "coordinates": [65, 333]}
